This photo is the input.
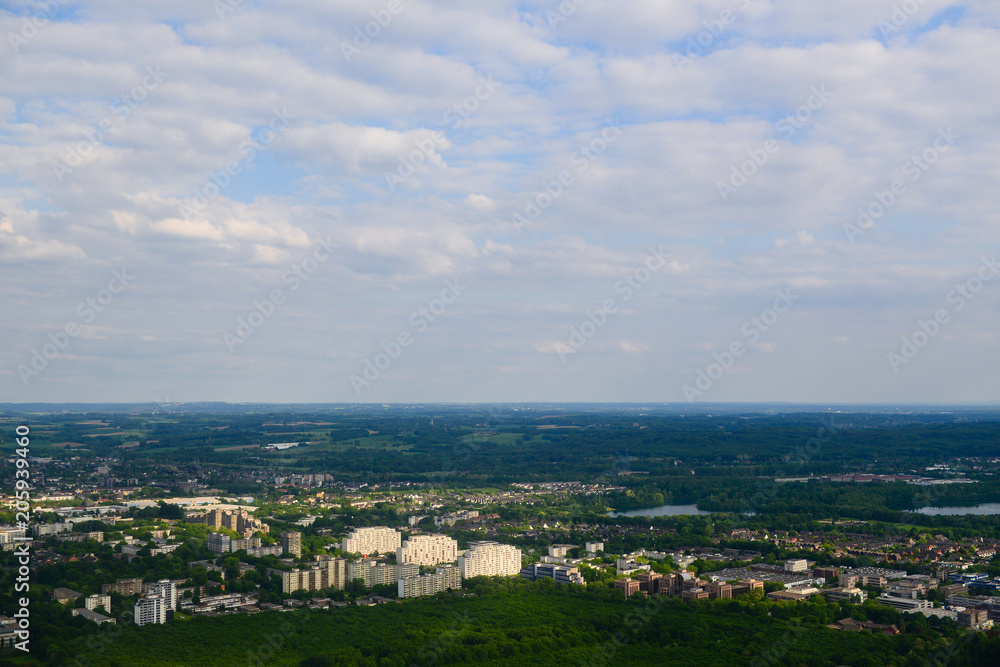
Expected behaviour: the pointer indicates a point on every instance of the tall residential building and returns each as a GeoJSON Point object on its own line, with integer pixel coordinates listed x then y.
{"type": "Point", "coordinates": [219, 543]}
{"type": "Point", "coordinates": [291, 543]}
{"type": "Point", "coordinates": [330, 573]}
{"type": "Point", "coordinates": [490, 559]}
{"type": "Point", "coordinates": [212, 518]}
{"type": "Point", "coordinates": [222, 544]}
{"type": "Point", "coordinates": [92, 602]}
{"type": "Point", "coordinates": [560, 550]}
{"type": "Point", "coordinates": [245, 544]}
{"type": "Point", "coordinates": [166, 589]}
{"type": "Point", "coordinates": [367, 541]}
{"type": "Point", "coordinates": [374, 574]}
{"type": "Point", "coordinates": [427, 550]}
{"type": "Point", "coordinates": [444, 578]}
{"type": "Point", "coordinates": [151, 609]}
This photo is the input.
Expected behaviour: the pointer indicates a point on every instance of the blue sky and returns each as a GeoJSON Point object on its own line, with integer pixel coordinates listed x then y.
{"type": "Point", "coordinates": [514, 257]}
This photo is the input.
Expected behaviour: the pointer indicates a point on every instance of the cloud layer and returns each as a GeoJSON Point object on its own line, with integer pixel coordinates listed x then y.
{"type": "Point", "coordinates": [291, 187]}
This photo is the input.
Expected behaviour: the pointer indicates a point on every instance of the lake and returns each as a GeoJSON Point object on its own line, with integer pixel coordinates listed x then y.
{"type": "Point", "coordinates": [662, 510]}
{"type": "Point", "coordinates": [987, 508]}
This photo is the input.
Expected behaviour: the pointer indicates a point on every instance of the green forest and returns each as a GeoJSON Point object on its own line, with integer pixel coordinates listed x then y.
{"type": "Point", "coordinates": [516, 623]}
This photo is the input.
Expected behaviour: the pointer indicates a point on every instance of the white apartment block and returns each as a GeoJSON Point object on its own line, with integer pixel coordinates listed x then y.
{"type": "Point", "coordinates": [46, 529]}
{"type": "Point", "coordinates": [367, 541]}
{"type": "Point", "coordinates": [427, 550]}
{"type": "Point", "coordinates": [10, 534]}
{"type": "Point", "coordinates": [374, 574]}
{"type": "Point", "coordinates": [797, 565]}
{"type": "Point", "coordinates": [150, 609]}
{"type": "Point", "coordinates": [328, 574]}
{"type": "Point", "coordinates": [490, 559]}
{"type": "Point", "coordinates": [445, 578]}
{"type": "Point", "coordinates": [166, 589]}
{"type": "Point", "coordinates": [92, 602]}
{"type": "Point", "coordinates": [560, 550]}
